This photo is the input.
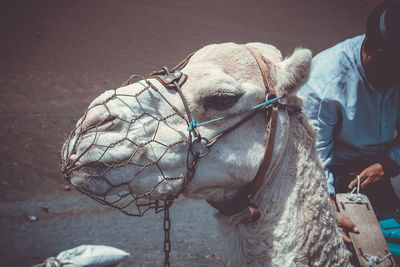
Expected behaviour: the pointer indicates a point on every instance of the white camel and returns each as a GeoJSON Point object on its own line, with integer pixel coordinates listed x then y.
{"type": "Point", "coordinates": [297, 225]}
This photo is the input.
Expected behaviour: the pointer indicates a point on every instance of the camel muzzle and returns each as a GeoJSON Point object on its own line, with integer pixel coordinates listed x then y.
{"type": "Point", "coordinates": [136, 204]}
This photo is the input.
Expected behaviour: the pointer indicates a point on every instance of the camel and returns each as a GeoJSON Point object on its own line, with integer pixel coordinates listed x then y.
{"type": "Point", "coordinates": [296, 226]}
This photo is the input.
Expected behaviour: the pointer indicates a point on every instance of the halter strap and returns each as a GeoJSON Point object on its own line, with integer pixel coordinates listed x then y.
{"type": "Point", "coordinates": [241, 200]}
{"type": "Point", "coordinates": [183, 63]}
{"type": "Point", "coordinates": [272, 125]}
{"type": "Point", "coordinates": [266, 161]}
{"type": "Point", "coordinates": [261, 61]}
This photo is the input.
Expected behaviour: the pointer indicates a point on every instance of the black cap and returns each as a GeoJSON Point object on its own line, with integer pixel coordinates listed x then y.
{"type": "Point", "coordinates": [383, 28]}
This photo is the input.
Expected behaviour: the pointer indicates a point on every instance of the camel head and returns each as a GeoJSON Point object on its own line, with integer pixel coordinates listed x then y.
{"type": "Point", "coordinates": [133, 143]}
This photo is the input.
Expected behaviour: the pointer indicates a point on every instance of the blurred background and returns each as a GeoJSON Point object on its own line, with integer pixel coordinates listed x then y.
{"type": "Point", "coordinates": [56, 56]}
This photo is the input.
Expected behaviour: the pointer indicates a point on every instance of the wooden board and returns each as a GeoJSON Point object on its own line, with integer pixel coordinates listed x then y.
{"type": "Point", "coordinates": [370, 240]}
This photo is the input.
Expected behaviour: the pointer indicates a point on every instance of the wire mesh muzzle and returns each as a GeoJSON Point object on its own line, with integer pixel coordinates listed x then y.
{"type": "Point", "coordinates": [122, 195]}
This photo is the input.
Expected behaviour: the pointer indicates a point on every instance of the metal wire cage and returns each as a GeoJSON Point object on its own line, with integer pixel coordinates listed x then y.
{"type": "Point", "coordinates": [126, 200]}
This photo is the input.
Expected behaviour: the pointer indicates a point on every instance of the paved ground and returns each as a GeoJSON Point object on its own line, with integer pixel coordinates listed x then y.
{"type": "Point", "coordinates": [56, 56]}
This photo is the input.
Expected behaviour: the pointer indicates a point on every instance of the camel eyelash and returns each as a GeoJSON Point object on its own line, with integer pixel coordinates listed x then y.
{"type": "Point", "coordinates": [221, 100]}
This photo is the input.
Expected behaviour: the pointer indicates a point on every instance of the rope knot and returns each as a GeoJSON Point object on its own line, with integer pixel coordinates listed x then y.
{"type": "Point", "coordinates": [375, 260]}
{"type": "Point", "coordinates": [193, 125]}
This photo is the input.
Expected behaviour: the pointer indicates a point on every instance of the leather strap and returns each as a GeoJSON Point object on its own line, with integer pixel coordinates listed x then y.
{"type": "Point", "coordinates": [264, 70]}
{"type": "Point", "coordinates": [183, 63]}
{"type": "Point", "coordinates": [213, 140]}
{"type": "Point", "coordinates": [174, 80]}
{"type": "Point", "coordinates": [168, 79]}
{"type": "Point", "coordinates": [241, 201]}
{"type": "Point", "coordinates": [266, 161]}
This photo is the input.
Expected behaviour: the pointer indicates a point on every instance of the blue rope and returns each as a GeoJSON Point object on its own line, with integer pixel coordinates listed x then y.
{"type": "Point", "coordinates": [194, 124]}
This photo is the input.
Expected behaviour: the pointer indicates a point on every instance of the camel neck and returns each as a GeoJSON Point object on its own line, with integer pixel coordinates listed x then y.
{"type": "Point", "coordinates": [297, 221]}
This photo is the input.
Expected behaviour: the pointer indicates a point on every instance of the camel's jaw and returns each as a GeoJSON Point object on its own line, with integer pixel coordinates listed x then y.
{"type": "Point", "coordinates": [102, 180]}
{"type": "Point", "coordinates": [88, 178]}
{"type": "Point", "coordinates": [129, 139]}
{"type": "Point", "coordinates": [135, 175]}
{"type": "Point", "coordinates": [90, 185]}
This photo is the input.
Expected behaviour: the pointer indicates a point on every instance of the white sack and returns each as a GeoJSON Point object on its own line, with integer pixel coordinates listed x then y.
{"type": "Point", "coordinates": [87, 256]}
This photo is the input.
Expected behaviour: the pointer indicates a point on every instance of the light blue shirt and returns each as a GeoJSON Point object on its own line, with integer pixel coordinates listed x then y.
{"type": "Point", "coordinates": [353, 119]}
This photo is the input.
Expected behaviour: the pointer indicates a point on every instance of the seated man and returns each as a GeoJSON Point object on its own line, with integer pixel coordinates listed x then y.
{"type": "Point", "coordinates": [353, 100]}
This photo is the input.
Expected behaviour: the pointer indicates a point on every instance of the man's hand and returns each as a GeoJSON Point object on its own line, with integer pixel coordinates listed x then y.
{"type": "Point", "coordinates": [369, 176]}
{"type": "Point", "coordinates": [345, 226]}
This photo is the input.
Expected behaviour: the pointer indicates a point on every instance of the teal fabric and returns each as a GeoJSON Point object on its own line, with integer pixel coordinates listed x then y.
{"type": "Point", "coordinates": [389, 223]}
{"type": "Point", "coordinates": [390, 229]}
{"type": "Point", "coordinates": [394, 248]}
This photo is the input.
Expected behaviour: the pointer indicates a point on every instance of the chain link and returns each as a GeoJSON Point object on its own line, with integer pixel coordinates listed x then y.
{"type": "Point", "coordinates": [167, 228]}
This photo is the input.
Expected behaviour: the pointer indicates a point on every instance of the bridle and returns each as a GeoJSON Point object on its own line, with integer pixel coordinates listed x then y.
{"type": "Point", "coordinates": [242, 199]}
{"type": "Point", "coordinates": [200, 146]}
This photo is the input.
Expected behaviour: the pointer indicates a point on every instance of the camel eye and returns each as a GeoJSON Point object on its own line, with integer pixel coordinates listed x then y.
{"type": "Point", "coordinates": [108, 119]}
{"type": "Point", "coordinates": [104, 124]}
{"type": "Point", "coordinates": [107, 122]}
{"type": "Point", "coordinates": [221, 101]}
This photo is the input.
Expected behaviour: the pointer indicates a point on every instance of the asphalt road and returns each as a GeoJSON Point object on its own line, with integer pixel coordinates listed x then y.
{"type": "Point", "coordinates": [56, 56]}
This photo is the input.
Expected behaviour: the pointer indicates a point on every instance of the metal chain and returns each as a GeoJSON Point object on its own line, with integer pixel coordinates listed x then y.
{"type": "Point", "coordinates": [167, 228]}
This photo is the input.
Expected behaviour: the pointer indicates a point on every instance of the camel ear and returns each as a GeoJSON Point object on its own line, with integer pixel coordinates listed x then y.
{"type": "Point", "coordinates": [293, 71]}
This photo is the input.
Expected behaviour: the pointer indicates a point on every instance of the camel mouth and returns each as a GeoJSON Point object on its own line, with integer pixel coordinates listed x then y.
{"type": "Point", "coordinates": [90, 185]}
{"type": "Point", "coordinates": [88, 178]}
{"type": "Point", "coordinates": [131, 200]}
{"type": "Point", "coordinates": [89, 169]}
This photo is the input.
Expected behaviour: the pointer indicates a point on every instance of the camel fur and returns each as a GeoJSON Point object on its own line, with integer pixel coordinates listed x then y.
{"type": "Point", "coordinates": [297, 226]}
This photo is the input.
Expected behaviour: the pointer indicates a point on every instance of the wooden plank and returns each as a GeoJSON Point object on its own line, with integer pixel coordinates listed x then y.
{"type": "Point", "coordinates": [370, 240]}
